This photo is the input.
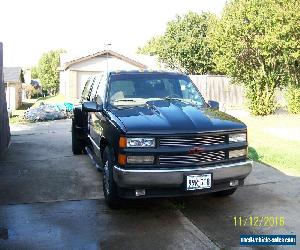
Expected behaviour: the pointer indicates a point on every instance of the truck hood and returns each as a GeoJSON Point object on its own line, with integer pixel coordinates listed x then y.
{"type": "Point", "coordinates": [174, 117]}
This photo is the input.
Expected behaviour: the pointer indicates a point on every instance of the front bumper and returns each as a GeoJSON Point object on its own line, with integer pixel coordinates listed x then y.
{"type": "Point", "coordinates": [170, 178]}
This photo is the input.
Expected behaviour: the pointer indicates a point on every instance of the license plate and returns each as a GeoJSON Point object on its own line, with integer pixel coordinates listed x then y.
{"type": "Point", "coordinates": [196, 182]}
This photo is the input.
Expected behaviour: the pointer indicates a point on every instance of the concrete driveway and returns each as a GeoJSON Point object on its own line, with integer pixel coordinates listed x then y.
{"type": "Point", "coordinates": [51, 199]}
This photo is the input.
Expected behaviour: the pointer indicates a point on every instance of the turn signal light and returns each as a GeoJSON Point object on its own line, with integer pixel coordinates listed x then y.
{"type": "Point", "coordinates": [122, 159]}
{"type": "Point", "coordinates": [122, 142]}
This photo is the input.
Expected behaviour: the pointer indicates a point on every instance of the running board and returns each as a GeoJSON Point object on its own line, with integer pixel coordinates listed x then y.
{"type": "Point", "coordinates": [93, 158]}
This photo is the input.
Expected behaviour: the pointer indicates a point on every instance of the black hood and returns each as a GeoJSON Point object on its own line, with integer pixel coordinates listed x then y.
{"type": "Point", "coordinates": [174, 117]}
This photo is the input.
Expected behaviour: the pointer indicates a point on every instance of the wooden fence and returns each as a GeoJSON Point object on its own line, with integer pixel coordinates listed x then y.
{"type": "Point", "coordinates": [219, 88]}
{"type": "Point", "coordinates": [4, 122]}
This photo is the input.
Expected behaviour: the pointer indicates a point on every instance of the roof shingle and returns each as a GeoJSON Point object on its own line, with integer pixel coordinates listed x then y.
{"type": "Point", "coordinates": [12, 74]}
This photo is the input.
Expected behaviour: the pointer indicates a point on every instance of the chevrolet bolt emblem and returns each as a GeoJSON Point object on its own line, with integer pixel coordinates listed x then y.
{"type": "Point", "coordinates": [196, 150]}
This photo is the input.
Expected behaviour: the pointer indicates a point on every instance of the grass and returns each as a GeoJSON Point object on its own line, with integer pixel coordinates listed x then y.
{"type": "Point", "coordinates": [17, 115]}
{"type": "Point", "coordinates": [275, 140]}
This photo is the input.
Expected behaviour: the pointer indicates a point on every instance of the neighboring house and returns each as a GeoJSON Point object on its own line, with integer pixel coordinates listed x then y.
{"type": "Point", "coordinates": [13, 83]}
{"type": "Point", "coordinates": [74, 73]}
{"type": "Point", "coordinates": [27, 75]}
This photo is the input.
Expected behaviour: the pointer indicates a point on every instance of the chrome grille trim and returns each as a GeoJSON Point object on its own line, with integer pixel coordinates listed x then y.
{"type": "Point", "coordinates": [193, 158]}
{"type": "Point", "coordinates": [192, 141]}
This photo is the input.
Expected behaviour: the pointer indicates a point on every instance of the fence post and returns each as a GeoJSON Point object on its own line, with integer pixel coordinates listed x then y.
{"type": "Point", "coordinates": [4, 121]}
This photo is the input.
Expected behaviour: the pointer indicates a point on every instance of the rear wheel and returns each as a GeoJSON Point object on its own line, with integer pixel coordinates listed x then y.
{"type": "Point", "coordinates": [109, 186]}
{"type": "Point", "coordinates": [77, 144]}
{"type": "Point", "coordinates": [226, 192]}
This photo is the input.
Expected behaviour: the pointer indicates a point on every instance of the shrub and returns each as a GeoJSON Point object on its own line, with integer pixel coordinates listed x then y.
{"type": "Point", "coordinates": [260, 102]}
{"type": "Point", "coordinates": [31, 91]}
{"type": "Point", "coordinates": [293, 99]}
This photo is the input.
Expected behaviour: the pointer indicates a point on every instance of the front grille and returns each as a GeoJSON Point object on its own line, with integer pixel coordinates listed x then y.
{"type": "Point", "coordinates": [198, 140]}
{"type": "Point", "coordinates": [207, 157]}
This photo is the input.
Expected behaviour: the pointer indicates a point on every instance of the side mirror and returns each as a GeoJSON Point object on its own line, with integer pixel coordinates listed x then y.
{"type": "Point", "coordinates": [214, 104]}
{"type": "Point", "coordinates": [91, 107]}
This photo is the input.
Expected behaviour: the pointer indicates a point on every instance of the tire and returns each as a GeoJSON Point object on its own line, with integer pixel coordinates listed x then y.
{"type": "Point", "coordinates": [77, 145]}
{"type": "Point", "coordinates": [226, 192]}
{"type": "Point", "coordinates": [109, 186]}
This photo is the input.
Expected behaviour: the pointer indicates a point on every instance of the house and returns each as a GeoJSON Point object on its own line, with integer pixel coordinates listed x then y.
{"type": "Point", "coordinates": [75, 72]}
{"type": "Point", "coordinates": [13, 83]}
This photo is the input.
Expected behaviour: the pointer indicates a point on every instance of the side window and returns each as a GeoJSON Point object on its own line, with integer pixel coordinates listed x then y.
{"type": "Point", "coordinates": [101, 90]}
{"type": "Point", "coordinates": [86, 89]}
{"type": "Point", "coordinates": [95, 87]}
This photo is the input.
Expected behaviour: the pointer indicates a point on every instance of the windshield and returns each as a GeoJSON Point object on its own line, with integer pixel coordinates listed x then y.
{"type": "Point", "coordinates": [136, 89]}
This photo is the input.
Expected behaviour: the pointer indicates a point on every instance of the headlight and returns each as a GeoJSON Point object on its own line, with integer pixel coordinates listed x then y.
{"type": "Point", "coordinates": [137, 142]}
{"type": "Point", "coordinates": [132, 159]}
{"type": "Point", "coordinates": [241, 137]}
{"type": "Point", "coordinates": [238, 153]}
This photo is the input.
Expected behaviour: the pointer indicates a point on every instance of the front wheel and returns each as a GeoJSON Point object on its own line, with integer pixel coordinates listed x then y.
{"type": "Point", "coordinates": [109, 186]}
{"type": "Point", "coordinates": [226, 192]}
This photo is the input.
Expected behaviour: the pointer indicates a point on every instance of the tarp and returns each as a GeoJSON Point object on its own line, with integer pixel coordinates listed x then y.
{"type": "Point", "coordinates": [48, 112]}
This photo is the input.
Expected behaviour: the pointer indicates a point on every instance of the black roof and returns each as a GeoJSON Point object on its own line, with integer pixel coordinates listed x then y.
{"type": "Point", "coordinates": [144, 72]}
{"type": "Point", "coordinates": [12, 74]}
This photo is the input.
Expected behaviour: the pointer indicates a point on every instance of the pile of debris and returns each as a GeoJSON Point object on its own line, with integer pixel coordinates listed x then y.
{"type": "Point", "coordinates": [48, 112]}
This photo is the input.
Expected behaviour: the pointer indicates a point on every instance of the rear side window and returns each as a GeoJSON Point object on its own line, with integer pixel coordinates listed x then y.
{"type": "Point", "coordinates": [95, 87]}
{"type": "Point", "coordinates": [87, 88]}
{"type": "Point", "coordinates": [101, 91]}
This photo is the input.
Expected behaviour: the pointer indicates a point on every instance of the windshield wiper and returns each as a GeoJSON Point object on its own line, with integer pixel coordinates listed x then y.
{"type": "Point", "coordinates": [169, 98]}
{"type": "Point", "coordinates": [124, 100]}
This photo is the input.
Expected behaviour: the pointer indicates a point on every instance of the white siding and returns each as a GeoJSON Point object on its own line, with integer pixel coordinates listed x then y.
{"type": "Point", "coordinates": [62, 82]}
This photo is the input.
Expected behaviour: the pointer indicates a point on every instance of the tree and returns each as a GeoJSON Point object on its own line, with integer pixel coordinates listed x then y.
{"type": "Point", "coordinates": [184, 45]}
{"type": "Point", "coordinates": [257, 43]}
{"type": "Point", "coordinates": [22, 79]}
{"type": "Point", "coordinates": [48, 71]}
{"type": "Point", "coordinates": [34, 73]}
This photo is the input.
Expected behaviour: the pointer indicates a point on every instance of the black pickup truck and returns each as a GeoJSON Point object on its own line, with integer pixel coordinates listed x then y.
{"type": "Point", "coordinates": [153, 135]}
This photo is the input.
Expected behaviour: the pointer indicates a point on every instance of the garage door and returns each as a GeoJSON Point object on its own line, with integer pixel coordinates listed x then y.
{"type": "Point", "coordinates": [82, 77]}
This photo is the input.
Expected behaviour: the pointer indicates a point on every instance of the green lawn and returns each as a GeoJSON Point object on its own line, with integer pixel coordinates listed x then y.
{"type": "Point", "coordinates": [17, 115]}
{"type": "Point", "coordinates": [275, 140]}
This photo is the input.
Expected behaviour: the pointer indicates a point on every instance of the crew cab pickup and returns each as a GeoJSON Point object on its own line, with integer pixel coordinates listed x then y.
{"type": "Point", "coordinates": [153, 135]}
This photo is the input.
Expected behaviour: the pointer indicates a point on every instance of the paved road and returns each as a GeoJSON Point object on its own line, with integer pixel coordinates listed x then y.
{"type": "Point", "coordinates": [50, 199]}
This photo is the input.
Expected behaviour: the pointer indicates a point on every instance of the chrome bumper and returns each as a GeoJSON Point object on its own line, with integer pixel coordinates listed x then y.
{"type": "Point", "coordinates": [127, 178]}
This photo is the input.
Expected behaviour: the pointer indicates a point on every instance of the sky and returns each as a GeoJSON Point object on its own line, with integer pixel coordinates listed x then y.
{"type": "Point", "coordinates": [29, 28]}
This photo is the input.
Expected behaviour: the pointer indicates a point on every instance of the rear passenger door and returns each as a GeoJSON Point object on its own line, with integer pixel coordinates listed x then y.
{"type": "Point", "coordinates": [95, 134]}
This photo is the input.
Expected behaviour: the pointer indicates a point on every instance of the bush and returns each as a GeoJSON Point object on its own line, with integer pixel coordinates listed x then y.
{"type": "Point", "coordinates": [261, 99]}
{"type": "Point", "coordinates": [293, 99]}
{"type": "Point", "coordinates": [31, 91]}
